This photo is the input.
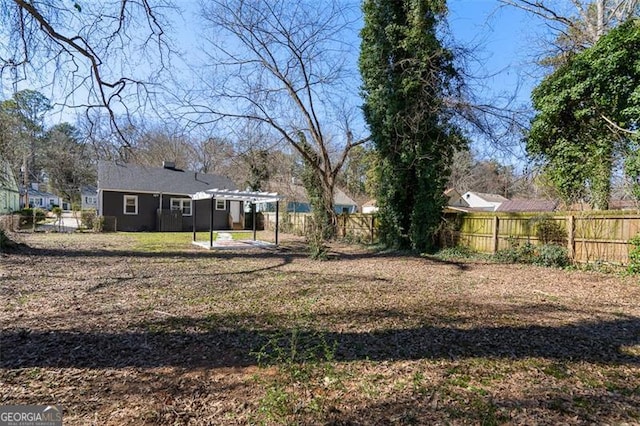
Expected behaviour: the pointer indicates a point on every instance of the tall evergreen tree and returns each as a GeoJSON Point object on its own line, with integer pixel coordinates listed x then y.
{"type": "Point", "coordinates": [407, 75]}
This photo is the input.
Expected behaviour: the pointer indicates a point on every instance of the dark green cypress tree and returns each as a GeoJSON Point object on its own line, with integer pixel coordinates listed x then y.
{"type": "Point", "coordinates": [407, 74]}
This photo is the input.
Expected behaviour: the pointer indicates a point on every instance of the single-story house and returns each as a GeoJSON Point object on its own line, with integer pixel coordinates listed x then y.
{"type": "Point", "coordinates": [41, 199]}
{"type": "Point", "coordinates": [296, 199]}
{"type": "Point", "coordinates": [455, 201]}
{"type": "Point", "coordinates": [9, 191]}
{"type": "Point", "coordinates": [614, 204]}
{"type": "Point", "coordinates": [89, 198]}
{"type": "Point", "coordinates": [483, 201]}
{"type": "Point", "coordinates": [524, 205]}
{"type": "Point", "coordinates": [143, 198]}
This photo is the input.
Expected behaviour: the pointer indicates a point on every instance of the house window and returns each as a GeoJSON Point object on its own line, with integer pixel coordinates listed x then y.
{"type": "Point", "coordinates": [221, 204]}
{"type": "Point", "coordinates": [90, 200]}
{"type": "Point", "coordinates": [130, 204]}
{"type": "Point", "coordinates": [182, 204]}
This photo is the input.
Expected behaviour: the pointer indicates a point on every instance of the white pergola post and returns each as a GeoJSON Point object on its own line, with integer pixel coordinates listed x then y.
{"type": "Point", "coordinates": [252, 197]}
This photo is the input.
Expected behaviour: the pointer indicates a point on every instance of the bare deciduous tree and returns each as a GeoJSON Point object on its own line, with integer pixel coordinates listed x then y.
{"type": "Point", "coordinates": [578, 25]}
{"type": "Point", "coordinates": [94, 53]}
{"type": "Point", "coordinates": [285, 64]}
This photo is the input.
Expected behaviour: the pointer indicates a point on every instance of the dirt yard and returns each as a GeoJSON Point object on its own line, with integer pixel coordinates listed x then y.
{"type": "Point", "coordinates": [122, 329]}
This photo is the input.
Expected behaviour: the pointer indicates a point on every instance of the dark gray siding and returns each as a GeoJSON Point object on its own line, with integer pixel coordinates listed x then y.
{"type": "Point", "coordinates": [148, 204]}
{"type": "Point", "coordinates": [145, 220]}
{"type": "Point", "coordinates": [203, 210]}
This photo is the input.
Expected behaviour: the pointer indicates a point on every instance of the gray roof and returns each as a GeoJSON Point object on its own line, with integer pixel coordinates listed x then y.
{"type": "Point", "coordinates": [136, 178]}
{"type": "Point", "coordinates": [527, 206]}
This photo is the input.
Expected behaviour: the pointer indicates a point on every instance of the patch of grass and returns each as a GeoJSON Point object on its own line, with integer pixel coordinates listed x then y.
{"type": "Point", "coordinates": [162, 241]}
{"type": "Point", "coordinates": [175, 241]}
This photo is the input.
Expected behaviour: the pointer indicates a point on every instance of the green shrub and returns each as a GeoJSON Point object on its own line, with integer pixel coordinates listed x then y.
{"type": "Point", "coordinates": [27, 216]}
{"type": "Point", "coordinates": [457, 252]}
{"type": "Point", "coordinates": [88, 218]}
{"type": "Point", "coordinates": [516, 253]}
{"type": "Point", "coordinates": [634, 255]}
{"type": "Point", "coordinates": [552, 255]}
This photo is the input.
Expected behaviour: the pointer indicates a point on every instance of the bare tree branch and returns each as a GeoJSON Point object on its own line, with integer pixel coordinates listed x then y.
{"type": "Point", "coordinates": [283, 64]}
{"type": "Point", "coordinates": [95, 51]}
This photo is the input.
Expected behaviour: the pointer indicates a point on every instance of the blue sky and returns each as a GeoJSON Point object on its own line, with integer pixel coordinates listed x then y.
{"type": "Point", "coordinates": [501, 38]}
{"type": "Point", "coordinates": [505, 38]}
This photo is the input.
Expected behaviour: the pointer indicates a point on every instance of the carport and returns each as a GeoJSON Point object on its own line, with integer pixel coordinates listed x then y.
{"type": "Point", "coordinates": [229, 195]}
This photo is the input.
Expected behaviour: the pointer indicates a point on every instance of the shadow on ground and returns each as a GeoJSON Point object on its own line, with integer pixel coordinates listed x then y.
{"type": "Point", "coordinates": [211, 346]}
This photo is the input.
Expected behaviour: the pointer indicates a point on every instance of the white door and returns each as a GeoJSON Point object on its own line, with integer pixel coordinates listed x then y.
{"type": "Point", "coordinates": [235, 211]}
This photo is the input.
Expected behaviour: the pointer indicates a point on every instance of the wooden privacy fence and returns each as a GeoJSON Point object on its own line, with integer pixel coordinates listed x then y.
{"type": "Point", "coordinates": [588, 236]}
{"type": "Point", "coordinates": [357, 226]}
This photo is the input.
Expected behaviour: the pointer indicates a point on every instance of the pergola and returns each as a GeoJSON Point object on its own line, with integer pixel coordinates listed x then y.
{"type": "Point", "coordinates": [252, 197]}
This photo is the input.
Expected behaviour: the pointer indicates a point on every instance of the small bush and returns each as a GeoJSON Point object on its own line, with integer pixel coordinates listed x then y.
{"type": "Point", "coordinates": [457, 252]}
{"type": "Point", "coordinates": [516, 253]}
{"type": "Point", "coordinates": [98, 224]}
{"type": "Point", "coordinates": [88, 218]}
{"type": "Point", "coordinates": [552, 255]}
{"type": "Point", "coordinates": [27, 216]}
{"type": "Point", "coordinates": [634, 255]}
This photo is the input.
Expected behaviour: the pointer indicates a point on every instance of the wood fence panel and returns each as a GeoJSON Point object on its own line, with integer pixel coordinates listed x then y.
{"type": "Point", "coordinates": [358, 226]}
{"type": "Point", "coordinates": [476, 232]}
{"type": "Point", "coordinates": [589, 237]}
{"type": "Point", "coordinates": [604, 237]}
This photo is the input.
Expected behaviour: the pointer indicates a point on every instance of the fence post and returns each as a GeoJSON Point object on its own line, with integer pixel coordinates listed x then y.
{"type": "Point", "coordinates": [344, 225]}
{"type": "Point", "coordinates": [373, 227]}
{"type": "Point", "coordinates": [494, 241]}
{"type": "Point", "coordinates": [571, 237]}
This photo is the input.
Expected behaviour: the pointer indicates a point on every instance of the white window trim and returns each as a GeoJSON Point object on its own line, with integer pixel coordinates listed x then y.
{"type": "Point", "coordinates": [224, 203]}
{"type": "Point", "coordinates": [124, 204]}
{"type": "Point", "coordinates": [182, 201]}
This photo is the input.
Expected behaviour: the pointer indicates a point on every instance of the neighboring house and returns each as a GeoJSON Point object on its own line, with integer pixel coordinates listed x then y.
{"type": "Point", "coordinates": [295, 197]}
{"type": "Point", "coordinates": [522, 205]}
{"type": "Point", "coordinates": [453, 197]}
{"type": "Point", "coordinates": [145, 198]}
{"type": "Point", "coordinates": [9, 191]}
{"type": "Point", "coordinates": [89, 198]}
{"type": "Point", "coordinates": [482, 201]}
{"type": "Point", "coordinates": [623, 205]}
{"type": "Point", "coordinates": [613, 205]}
{"type": "Point", "coordinates": [370, 206]}
{"type": "Point", "coordinates": [41, 199]}
{"type": "Point", "coordinates": [455, 202]}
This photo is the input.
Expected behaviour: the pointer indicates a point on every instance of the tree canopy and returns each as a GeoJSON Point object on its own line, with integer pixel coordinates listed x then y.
{"type": "Point", "coordinates": [588, 114]}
